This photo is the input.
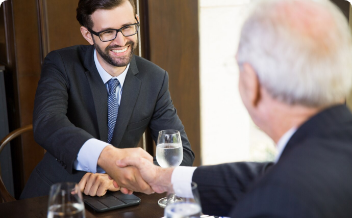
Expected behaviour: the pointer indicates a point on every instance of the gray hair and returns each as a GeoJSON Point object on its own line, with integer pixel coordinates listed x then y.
{"type": "Point", "coordinates": [301, 51]}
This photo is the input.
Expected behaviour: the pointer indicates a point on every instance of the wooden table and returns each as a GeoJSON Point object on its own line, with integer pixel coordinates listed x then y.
{"type": "Point", "coordinates": [37, 208]}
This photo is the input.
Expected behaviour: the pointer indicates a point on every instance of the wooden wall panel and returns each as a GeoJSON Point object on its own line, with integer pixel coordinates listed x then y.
{"type": "Point", "coordinates": [344, 6]}
{"type": "Point", "coordinates": [28, 73]}
{"type": "Point", "coordinates": [7, 58]}
{"type": "Point", "coordinates": [25, 75]}
{"type": "Point", "coordinates": [59, 24]}
{"type": "Point", "coordinates": [174, 46]}
{"type": "Point", "coordinates": [32, 29]}
{"type": "Point", "coordinates": [2, 36]}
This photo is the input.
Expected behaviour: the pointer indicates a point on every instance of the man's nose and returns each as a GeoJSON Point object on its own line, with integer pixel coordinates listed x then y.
{"type": "Point", "coordinates": [120, 39]}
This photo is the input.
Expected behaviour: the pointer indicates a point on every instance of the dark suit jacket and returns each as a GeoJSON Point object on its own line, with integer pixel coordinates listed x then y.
{"type": "Point", "coordinates": [313, 177]}
{"type": "Point", "coordinates": [71, 107]}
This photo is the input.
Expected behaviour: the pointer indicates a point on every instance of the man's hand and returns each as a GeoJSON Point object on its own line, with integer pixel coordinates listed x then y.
{"type": "Point", "coordinates": [96, 184]}
{"type": "Point", "coordinates": [123, 190]}
{"type": "Point", "coordinates": [158, 178]}
{"type": "Point", "coordinates": [128, 177]}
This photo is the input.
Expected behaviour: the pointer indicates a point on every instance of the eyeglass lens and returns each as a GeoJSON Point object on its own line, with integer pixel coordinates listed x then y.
{"type": "Point", "coordinates": [111, 34]}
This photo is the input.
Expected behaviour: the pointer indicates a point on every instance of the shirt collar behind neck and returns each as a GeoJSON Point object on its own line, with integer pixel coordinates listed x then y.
{"type": "Point", "coordinates": [105, 76]}
{"type": "Point", "coordinates": [281, 144]}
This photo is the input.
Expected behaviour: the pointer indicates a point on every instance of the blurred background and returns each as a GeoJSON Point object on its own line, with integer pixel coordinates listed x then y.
{"type": "Point", "coordinates": [194, 40]}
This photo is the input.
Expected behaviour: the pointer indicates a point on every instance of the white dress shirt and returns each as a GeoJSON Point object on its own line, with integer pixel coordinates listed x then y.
{"type": "Point", "coordinates": [281, 144]}
{"type": "Point", "coordinates": [89, 153]}
{"type": "Point", "coordinates": [181, 177]}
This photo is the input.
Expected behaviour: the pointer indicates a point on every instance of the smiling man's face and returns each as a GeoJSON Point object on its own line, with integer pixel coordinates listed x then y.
{"type": "Point", "coordinates": [118, 52]}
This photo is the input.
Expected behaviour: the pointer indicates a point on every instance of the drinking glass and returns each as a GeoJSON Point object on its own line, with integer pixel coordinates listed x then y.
{"type": "Point", "coordinates": [65, 201]}
{"type": "Point", "coordinates": [169, 153]}
{"type": "Point", "coordinates": [186, 207]}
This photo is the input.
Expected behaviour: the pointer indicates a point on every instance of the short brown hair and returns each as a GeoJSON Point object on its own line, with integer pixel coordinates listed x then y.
{"type": "Point", "coordinates": [88, 7]}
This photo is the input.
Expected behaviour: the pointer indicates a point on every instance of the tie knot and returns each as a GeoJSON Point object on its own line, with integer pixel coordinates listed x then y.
{"type": "Point", "coordinates": [112, 85]}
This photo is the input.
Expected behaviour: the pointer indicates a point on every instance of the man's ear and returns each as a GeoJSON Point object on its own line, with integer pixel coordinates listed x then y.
{"type": "Point", "coordinates": [137, 17]}
{"type": "Point", "coordinates": [252, 84]}
{"type": "Point", "coordinates": [87, 35]}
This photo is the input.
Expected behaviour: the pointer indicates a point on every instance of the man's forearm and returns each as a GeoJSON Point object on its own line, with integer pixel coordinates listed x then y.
{"type": "Point", "coordinates": [107, 157]}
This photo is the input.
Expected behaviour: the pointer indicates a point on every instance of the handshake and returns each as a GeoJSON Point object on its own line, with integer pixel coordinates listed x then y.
{"type": "Point", "coordinates": [128, 170]}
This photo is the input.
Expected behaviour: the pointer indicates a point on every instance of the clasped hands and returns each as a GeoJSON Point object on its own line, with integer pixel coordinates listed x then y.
{"type": "Point", "coordinates": [128, 170]}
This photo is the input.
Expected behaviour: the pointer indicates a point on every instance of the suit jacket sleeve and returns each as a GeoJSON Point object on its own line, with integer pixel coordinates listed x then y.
{"type": "Point", "coordinates": [220, 186]}
{"type": "Point", "coordinates": [165, 117]}
{"type": "Point", "coordinates": [52, 128]}
{"type": "Point", "coordinates": [271, 200]}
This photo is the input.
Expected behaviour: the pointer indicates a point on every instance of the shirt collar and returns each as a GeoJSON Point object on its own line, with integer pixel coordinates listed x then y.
{"type": "Point", "coordinates": [105, 76]}
{"type": "Point", "coordinates": [283, 142]}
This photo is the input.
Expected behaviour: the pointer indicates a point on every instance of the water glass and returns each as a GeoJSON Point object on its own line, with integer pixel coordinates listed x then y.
{"type": "Point", "coordinates": [65, 201]}
{"type": "Point", "coordinates": [187, 207]}
{"type": "Point", "coordinates": [169, 153]}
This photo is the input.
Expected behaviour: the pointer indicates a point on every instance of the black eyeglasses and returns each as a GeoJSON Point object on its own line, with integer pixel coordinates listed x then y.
{"type": "Point", "coordinates": [111, 34]}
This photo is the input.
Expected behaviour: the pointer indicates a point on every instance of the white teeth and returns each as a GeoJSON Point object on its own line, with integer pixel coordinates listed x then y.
{"type": "Point", "coordinates": [120, 51]}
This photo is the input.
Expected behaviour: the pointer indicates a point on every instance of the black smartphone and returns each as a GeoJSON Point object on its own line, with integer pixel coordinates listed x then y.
{"type": "Point", "coordinates": [110, 201]}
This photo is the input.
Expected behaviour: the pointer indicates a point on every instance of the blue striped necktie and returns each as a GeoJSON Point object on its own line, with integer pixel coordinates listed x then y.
{"type": "Point", "coordinates": [113, 106]}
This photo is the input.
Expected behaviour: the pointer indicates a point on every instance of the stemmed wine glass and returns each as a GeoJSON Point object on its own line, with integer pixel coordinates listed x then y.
{"type": "Point", "coordinates": [169, 153]}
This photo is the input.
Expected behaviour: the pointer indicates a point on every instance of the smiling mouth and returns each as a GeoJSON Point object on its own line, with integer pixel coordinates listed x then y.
{"type": "Point", "coordinates": [117, 51]}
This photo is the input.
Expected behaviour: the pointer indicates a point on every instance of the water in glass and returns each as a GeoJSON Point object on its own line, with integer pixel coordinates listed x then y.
{"type": "Point", "coordinates": [169, 154]}
{"type": "Point", "coordinates": [183, 210]}
{"type": "Point", "coordinates": [65, 201]}
{"type": "Point", "coordinates": [188, 206]}
{"type": "Point", "coordinates": [74, 210]}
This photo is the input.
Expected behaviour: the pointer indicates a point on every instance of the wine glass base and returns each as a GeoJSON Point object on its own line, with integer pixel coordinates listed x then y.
{"type": "Point", "coordinates": [162, 202]}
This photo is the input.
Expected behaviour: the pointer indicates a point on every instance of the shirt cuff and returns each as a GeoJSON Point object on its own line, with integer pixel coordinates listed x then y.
{"type": "Point", "coordinates": [87, 158]}
{"type": "Point", "coordinates": [181, 180]}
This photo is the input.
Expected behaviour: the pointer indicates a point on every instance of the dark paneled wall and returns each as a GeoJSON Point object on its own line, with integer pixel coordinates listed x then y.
{"type": "Point", "coordinates": [22, 68]}
{"type": "Point", "coordinates": [59, 27]}
{"type": "Point", "coordinates": [26, 77]}
{"type": "Point", "coordinates": [344, 7]}
{"type": "Point", "coordinates": [32, 29]}
{"type": "Point", "coordinates": [174, 46]}
{"type": "Point", "coordinates": [5, 156]}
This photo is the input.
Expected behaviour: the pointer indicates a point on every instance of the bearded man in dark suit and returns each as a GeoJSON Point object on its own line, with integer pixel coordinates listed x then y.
{"type": "Point", "coordinates": [94, 102]}
{"type": "Point", "coordinates": [295, 61]}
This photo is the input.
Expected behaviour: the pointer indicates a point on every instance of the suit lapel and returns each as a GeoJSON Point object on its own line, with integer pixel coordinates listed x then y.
{"type": "Point", "coordinates": [99, 94]}
{"type": "Point", "coordinates": [130, 92]}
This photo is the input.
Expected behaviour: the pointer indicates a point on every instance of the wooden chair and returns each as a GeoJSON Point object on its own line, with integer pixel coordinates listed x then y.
{"type": "Point", "coordinates": [5, 196]}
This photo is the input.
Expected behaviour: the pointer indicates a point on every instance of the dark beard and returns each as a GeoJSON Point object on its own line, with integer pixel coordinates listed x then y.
{"type": "Point", "coordinates": [121, 62]}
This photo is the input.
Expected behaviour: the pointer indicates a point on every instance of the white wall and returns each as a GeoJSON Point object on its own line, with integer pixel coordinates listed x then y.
{"type": "Point", "coordinates": [227, 132]}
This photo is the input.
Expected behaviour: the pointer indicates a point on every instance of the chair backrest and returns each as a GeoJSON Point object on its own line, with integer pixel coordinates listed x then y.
{"type": "Point", "coordinates": [5, 196]}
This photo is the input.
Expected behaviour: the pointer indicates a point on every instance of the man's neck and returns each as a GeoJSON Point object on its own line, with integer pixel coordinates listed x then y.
{"type": "Point", "coordinates": [282, 117]}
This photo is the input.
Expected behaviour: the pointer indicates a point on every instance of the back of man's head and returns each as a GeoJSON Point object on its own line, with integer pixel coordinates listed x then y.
{"type": "Point", "coordinates": [301, 51]}
{"type": "Point", "coordinates": [88, 7]}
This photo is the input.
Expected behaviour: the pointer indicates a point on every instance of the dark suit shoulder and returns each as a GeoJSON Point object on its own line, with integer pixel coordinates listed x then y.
{"type": "Point", "coordinates": [146, 66]}
{"type": "Point", "coordinates": [72, 54]}
{"type": "Point", "coordinates": [272, 200]}
{"type": "Point", "coordinates": [75, 48]}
